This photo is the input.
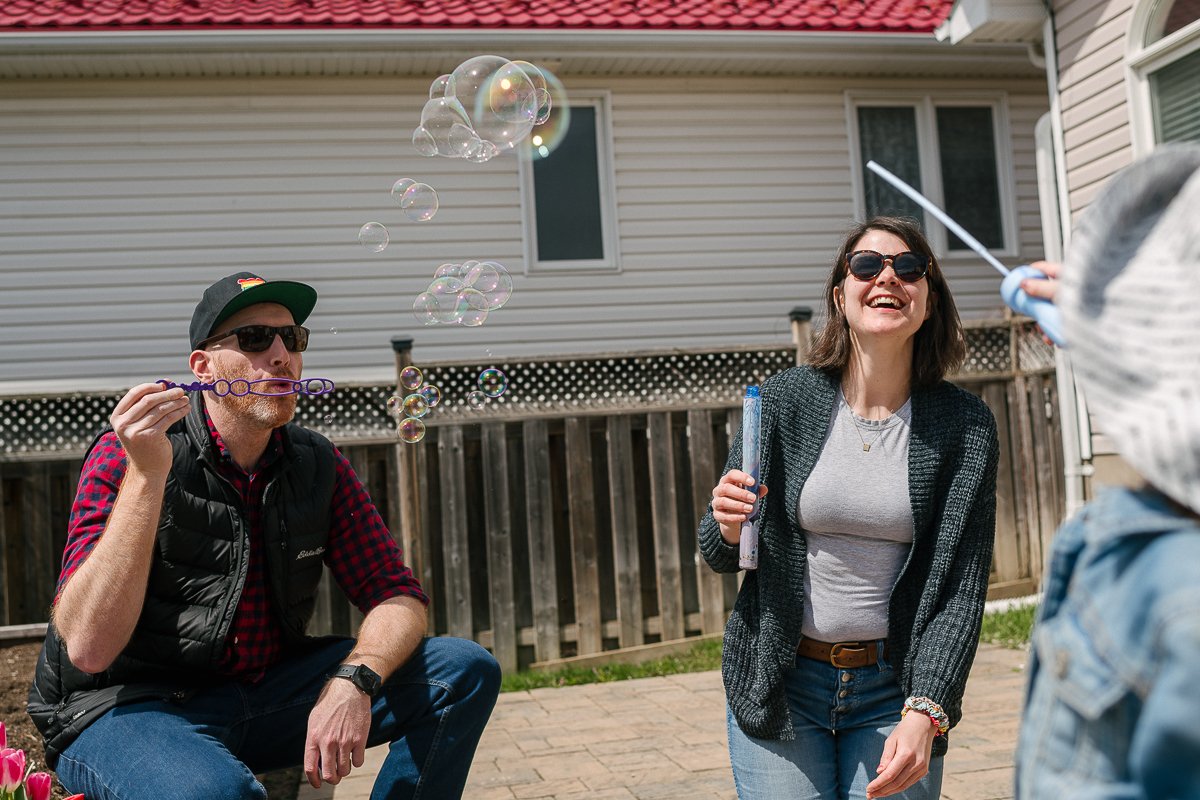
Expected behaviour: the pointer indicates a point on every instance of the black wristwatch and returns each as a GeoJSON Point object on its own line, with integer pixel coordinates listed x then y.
{"type": "Point", "coordinates": [362, 676]}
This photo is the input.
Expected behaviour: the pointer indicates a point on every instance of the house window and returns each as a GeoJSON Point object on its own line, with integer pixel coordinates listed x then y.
{"type": "Point", "coordinates": [948, 150]}
{"type": "Point", "coordinates": [568, 201]}
{"type": "Point", "coordinates": [1164, 63]}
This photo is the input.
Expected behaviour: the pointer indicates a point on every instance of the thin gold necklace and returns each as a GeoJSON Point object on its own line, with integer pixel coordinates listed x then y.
{"type": "Point", "coordinates": [858, 429]}
{"type": "Point", "coordinates": [866, 445]}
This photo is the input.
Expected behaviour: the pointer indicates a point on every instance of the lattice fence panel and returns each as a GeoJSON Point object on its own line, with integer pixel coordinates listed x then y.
{"type": "Point", "coordinates": [63, 426]}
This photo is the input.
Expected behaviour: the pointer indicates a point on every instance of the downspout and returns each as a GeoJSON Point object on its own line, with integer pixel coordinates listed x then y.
{"type": "Point", "coordinates": [1076, 432]}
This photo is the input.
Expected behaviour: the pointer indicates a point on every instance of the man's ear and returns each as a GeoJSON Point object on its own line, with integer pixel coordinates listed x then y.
{"type": "Point", "coordinates": [200, 362]}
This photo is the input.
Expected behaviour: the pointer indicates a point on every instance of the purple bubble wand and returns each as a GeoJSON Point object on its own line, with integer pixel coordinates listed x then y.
{"type": "Point", "coordinates": [240, 387]}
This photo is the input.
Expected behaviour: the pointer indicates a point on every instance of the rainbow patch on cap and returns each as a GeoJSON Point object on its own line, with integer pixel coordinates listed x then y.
{"type": "Point", "coordinates": [250, 283]}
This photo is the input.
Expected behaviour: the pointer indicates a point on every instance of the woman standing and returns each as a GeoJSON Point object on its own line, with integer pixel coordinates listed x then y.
{"type": "Point", "coordinates": [875, 544]}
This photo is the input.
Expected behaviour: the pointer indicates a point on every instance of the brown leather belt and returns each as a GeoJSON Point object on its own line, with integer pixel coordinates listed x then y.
{"type": "Point", "coordinates": [844, 655]}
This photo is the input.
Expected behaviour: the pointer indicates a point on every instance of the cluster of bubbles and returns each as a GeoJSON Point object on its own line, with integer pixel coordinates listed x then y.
{"type": "Point", "coordinates": [412, 401]}
{"type": "Point", "coordinates": [418, 201]}
{"type": "Point", "coordinates": [492, 383]}
{"type": "Point", "coordinates": [464, 294]}
{"type": "Point", "coordinates": [487, 105]}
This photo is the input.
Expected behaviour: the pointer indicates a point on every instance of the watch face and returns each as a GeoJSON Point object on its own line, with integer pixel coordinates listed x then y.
{"type": "Point", "coordinates": [366, 679]}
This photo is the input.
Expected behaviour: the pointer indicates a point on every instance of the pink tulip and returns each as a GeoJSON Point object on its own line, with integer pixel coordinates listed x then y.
{"type": "Point", "coordinates": [37, 786]}
{"type": "Point", "coordinates": [3, 737]}
{"type": "Point", "coordinates": [76, 797]}
{"type": "Point", "coordinates": [12, 769]}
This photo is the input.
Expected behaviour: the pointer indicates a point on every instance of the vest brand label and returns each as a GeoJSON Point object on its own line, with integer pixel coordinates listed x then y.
{"type": "Point", "coordinates": [316, 551]}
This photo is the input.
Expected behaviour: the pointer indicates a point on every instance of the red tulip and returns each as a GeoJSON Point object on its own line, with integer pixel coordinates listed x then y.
{"type": "Point", "coordinates": [12, 769]}
{"type": "Point", "coordinates": [76, 797]}
{"type": "Point", "coordinates": [37, 786]}
{"type": "Point", "coordinates": [3, 737]}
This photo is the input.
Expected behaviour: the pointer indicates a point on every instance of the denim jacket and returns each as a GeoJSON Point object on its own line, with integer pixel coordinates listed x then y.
{"type": "Point", "coordinates": [1113, 704]}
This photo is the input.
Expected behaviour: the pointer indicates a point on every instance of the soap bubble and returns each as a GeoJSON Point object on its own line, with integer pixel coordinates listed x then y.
{"type": "Point", "coordinates": [411, 430]}
{"type": "Point", "coordinates": [415, 405]}
{"type": "Point", "coordinates": [373, 236]}
{"type": "Point", "coordinates": [541, 94]}
{"type": "Point", "coordinates": [419, 202]}
{"type": "Point", "coordinates": [448, 271]}
{"type": "Point", "coordinates": [394, 404]}
{"type": "Point", "coordinates": [552, 123]}
{"type": "Point", "coordinates": [485, 152]}
{"type": "Point", "coordinates": [411, 378]}
{"type": "Point", "coordinates": [431, 393]}
{"type": "Point", "coordinates": [438, 118]}
{"type": "Point", "coordinates": [333, 331]}
{"type": "Point", "coordinates": [329, 419]}
{"type": "Point", "coordinates": [423, 142]}
{"type": "Point", "coordinates": [477, 307]}
{"type": "Point", "coordinates": [442, 86]}
{"type": "Point", "coordinates": [498, 97]}
{"type": "Point", "coordinates": [493, 280]}
{"type": "Point", "coordinates": [400, 187]}
{"type": "Point", "coordinates": [425, 309]}
{"type": "Point", "coordinates": [492, 382]}
{"type": "Point", "coordinates": [476, 399]}
{"type": "Point", "coordinates": [449, 305]}
{"type": "Point", "coordinates": [464, 293]}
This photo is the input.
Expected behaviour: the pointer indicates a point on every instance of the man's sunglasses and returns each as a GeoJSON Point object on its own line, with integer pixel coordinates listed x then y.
{"type": "Point", "coordinates": [867, 264]}
{"type": "Point", "coordinates": [258, 338]}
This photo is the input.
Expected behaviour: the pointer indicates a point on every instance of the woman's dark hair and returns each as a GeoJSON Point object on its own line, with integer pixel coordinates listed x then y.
{"type": "Point", "coordinates": [938, 347]}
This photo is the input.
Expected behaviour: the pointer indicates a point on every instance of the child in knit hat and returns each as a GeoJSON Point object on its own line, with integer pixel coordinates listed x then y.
{"type": "Point", "coordinates": [1113, 708]}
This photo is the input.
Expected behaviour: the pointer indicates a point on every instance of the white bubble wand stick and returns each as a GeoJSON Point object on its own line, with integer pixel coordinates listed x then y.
{"type": "Point", "coordinates": [751, 440]}
{"type": "Point", "coordinates": [1045, 312]}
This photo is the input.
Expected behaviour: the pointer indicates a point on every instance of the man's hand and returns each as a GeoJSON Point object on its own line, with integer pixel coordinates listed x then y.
{"type": "Point", "coordinates": [141, 420]}
{"type": "Point", "coordinates": [906, 755]}
{"type": "Point", "coordinates": [337, 733]}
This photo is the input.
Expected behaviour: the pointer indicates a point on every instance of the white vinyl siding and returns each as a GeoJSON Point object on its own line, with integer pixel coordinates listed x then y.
{"type": "Point", "coordinates": [120, 201]}
{"type": "Point", "coordinates": [1091, 39]}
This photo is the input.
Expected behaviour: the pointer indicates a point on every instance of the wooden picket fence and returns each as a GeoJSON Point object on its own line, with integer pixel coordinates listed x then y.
{"type": "Point", "coordinates": [558, 523]}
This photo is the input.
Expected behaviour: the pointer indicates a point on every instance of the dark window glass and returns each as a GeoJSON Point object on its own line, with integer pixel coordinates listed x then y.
{"type": "Point", "coordinates": [566, 190]}
{"type": "Point", "coordinates": [1182, 14]}
{"type": "Point", "coordinates": [888, 136]}
{"type": "Point", "coordinates": [1175, 90]}
{"type": "Point", "coordinates": [970, 185]}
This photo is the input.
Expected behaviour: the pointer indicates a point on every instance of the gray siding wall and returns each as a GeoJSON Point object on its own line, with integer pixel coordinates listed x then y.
{"type": "Point", "coordinates": [121, 200]}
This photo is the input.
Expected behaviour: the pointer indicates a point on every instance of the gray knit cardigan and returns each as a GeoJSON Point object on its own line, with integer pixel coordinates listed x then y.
{"type": "Point", "coordinates": [936, 606]}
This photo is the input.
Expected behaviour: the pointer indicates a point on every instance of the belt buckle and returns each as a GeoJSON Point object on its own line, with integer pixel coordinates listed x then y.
{"type": "Point", "coordinates": [848, 650]}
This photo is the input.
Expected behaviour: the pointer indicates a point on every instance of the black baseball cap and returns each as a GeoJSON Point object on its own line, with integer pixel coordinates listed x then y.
{"type": "Point", "coordinates": [232, 293]}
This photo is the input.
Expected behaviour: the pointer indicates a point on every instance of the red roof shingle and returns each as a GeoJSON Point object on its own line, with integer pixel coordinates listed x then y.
{"type": "Point", "coordinates": [909, 16]}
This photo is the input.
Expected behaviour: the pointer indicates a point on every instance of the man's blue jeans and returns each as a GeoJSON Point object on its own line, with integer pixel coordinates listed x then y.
{"type": "Point", "coordinates": [841, 717]}
{"type": "Point", "coordinates": [432, 711]}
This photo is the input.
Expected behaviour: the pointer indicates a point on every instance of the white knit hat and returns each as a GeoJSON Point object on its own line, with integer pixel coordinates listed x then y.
{"type": "Point", "coordinates": [1130, 300]}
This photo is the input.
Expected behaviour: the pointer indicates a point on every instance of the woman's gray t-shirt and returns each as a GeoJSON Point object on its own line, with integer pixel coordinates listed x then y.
{"type": "Point", "coordinates": [857, 517]}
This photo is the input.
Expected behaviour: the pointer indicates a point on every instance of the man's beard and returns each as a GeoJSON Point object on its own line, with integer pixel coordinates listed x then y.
{"type": "Point", "coordinates": [270, 412]}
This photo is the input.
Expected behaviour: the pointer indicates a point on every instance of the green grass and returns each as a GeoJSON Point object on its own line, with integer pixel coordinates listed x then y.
{"type": "Point", "coordinates": [704, 656]}
{"type": "Point", "coordinates": [1009, 628]}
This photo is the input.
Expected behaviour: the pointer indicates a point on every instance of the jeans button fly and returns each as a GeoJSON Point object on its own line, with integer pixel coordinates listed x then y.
{"type": "Point", "coordinates": [845, 677]}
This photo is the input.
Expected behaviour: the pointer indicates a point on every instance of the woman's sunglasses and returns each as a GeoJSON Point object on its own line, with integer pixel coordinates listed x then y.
{"type": "Point", "coordinates": [258, 338]}
{"type": "Point", "coordinates": [867, 264]}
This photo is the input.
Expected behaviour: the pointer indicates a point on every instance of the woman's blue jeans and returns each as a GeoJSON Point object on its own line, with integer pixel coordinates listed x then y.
{"type": "Point", "coordinates": [841, 717]}
{"type": "Point", "coordinates": [432, 711]}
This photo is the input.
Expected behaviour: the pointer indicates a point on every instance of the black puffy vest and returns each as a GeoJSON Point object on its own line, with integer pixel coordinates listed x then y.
{"type": "Point", "coordinates": [196, 577]}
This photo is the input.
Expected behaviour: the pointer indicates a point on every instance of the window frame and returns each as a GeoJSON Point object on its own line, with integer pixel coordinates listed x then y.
{"type": "Point", "coordinates": [601, 101]}
{"type": "Point", "coordinates": [929, 158]}
{"type": "Point", "coordinates": [1142, 59]}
